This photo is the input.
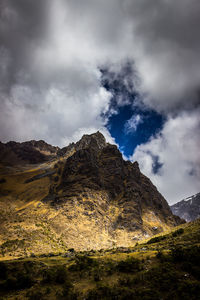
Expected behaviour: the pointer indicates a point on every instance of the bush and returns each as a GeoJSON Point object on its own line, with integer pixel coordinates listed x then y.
{"type": "Point", "coordinates": [19, 282]}
{"type": "Point", "coordinates": [162, 277]}
{"type": "Point", "coordinates": [3, 271]}
{"type": "Point", "coordinates": [190, 254]}
{"type": "Point", "coordinates": [83, 262]}
{"type": "Point", "coordinates": [131, 264]}
{"type": "Point", "coordinates": [34, 295]}
{"type": "Point", "coordinates": [188, 289]}
{"type": "Point", "coordinates": [57, 274]}
{"type": "Point", "coordinates": [157, 239]}
{"type": "Point", "coordinates": [68, 290]}
{"type": "Point", "coordinates": [189, 259]}
{"type": "Point", "coordinates": [161, 256]}
{"type": "Point", "coordinates": [101, 292]}
{"type": "Point", "coordinates": [178, 232]}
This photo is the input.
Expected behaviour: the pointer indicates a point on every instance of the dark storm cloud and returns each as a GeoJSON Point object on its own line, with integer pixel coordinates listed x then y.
{"type": "Point", "coordinates": [51, 53]}
{"type": "Point", "coordinates": [23, 24]}
{"type": "Point", "coordinates": [167, 37]}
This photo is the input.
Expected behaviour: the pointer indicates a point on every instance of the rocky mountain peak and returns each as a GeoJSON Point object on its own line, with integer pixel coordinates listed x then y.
{"type": "Point", "coordinates": [109, 190]}
{"type": "Point", "coordinates": [95, 140]}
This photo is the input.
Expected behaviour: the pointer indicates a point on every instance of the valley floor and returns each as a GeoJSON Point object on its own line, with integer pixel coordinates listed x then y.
{"type": "Point", "coordinates": [163, 267]}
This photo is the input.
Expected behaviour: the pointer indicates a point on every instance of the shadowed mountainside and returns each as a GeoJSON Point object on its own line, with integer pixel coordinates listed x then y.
{"type": "Point", "coordinates": [188, 209]}
{"type": "Point", "coordinates": [32, 152]}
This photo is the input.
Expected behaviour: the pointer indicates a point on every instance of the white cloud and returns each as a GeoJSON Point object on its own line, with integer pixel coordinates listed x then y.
{"type": "Point", "coordinates": [177, 147]}
{"type": "Point", "coordinates": [132, 124]}
{"type": "Point", "coordinates": [52, 51]}
{"type": "Point", "coordinates": [50, 85]}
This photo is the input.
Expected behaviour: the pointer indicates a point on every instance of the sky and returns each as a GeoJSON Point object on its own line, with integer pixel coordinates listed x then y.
{"type": "Point", "coordinates": [129, 68]}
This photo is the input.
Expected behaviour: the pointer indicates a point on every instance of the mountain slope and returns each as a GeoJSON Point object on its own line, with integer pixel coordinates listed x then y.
{"type": "Point", "coordinates": [145, 271]}
{"type": "Point", "coordinates": [188, 209]}
{"type": "Point", "coordinates": [85, 196]}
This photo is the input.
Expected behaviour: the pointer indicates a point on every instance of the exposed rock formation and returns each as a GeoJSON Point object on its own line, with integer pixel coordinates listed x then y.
{"type": "Point", "coordinates": [96, 177]}
{"type": "Point", "coordinates": [83, 196]}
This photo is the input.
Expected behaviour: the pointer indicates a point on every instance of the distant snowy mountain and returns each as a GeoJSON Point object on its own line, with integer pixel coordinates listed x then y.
{"type": "Point", "coordinates": [188, 209]}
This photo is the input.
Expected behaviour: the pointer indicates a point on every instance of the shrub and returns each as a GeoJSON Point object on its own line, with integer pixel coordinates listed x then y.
{"type": "Point", "coordinates": [131, 264]}
{"type": "Point", "coordinates": [83, 262]}
{"type": "Point", "coordinates": [161, 256]}
{"type": "Point", "coordinates": [19, 282]}
{"type": "Point", "coordinates": [162, 277]}
{"type": "Point", "coordinates": [3, 271]}
{"type": "Point", "coordinates": [67, 289]}
{"type": "Point", "coordinates": [178, 232]}
{"type": "Point", "coordinates": [100, 292]}
{"type": "Point", "coordinates": [188, 289]}
{"type": "Point", "coordinates": [34, 295]}
{"type": "Point", "coordinates": [189, 258]}
{"type": "Point", "coordinates": [57, 274]}
{"type": "Point", "coordinates": [157, 239]}
{"type": "Point", "coordinates": [190, 254]}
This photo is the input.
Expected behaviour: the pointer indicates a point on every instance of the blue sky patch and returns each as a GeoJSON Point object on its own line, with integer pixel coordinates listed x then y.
{"type": "Point", "coordinates": [130, 125]}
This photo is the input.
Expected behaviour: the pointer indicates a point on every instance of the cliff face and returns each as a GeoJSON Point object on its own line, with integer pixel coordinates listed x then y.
{"type": "Point", "coordinates": [84, 196]}
{"type": "Point", "coordinates": [110, 190]}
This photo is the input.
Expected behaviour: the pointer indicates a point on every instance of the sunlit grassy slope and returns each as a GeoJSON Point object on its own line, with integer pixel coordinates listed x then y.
{"type": "Point", "coordinates": [163, 267]}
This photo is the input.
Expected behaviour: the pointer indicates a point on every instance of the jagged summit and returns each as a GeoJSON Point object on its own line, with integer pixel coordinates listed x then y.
{"type": "Point", "coordinates": [34, 152]}
{"type": "Point", "coordinates": [95, 140]}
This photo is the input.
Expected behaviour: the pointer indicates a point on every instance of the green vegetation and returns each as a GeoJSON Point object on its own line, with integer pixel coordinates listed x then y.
{"type": "Point", "coordinates": [178, 232]}
{"type": "Point", "coordinates": [160, 238]}
{"type": "Point", "coordinates": [166, 267]}
{"type": "Point", "coordinates": [157, 239]}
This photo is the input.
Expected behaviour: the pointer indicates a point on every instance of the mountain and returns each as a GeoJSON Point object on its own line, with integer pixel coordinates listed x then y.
{"type": "Point", "coordinates": [32, 152]}
{"type": "Point", "coordinates": [188, 209]}
{"type": "Point", "coordinates": [83, 196]}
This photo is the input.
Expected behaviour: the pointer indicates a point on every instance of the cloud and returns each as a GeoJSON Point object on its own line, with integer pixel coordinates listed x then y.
{"type": "Point", "coordinates": [50, 86]}
{"type": "Point", "coordinates": [132, 124]}
{"type": "Point", "coordinates": [52, 51]}
{"type": "Point", "coordinates": [165, 35]}
{"type": "Point", "coordinates": [177, 150]}
{"type": "Point", "coordinates": [51, 55]}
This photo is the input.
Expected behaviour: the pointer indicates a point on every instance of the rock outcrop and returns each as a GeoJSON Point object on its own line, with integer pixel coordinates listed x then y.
{"type": "Point", "coordinates": [96, 177]}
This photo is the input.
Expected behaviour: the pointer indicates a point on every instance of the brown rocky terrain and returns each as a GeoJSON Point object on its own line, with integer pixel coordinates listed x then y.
{"type": "Point", "coordinates": [84, 196]}
{"type": "Point", "coordinates": [32, 152]}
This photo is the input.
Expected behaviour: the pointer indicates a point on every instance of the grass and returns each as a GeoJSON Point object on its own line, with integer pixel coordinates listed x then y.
{"type": "Point", "coordinates": [40, 235]}
{"type": "Point", "coordinates": [145, 271]}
